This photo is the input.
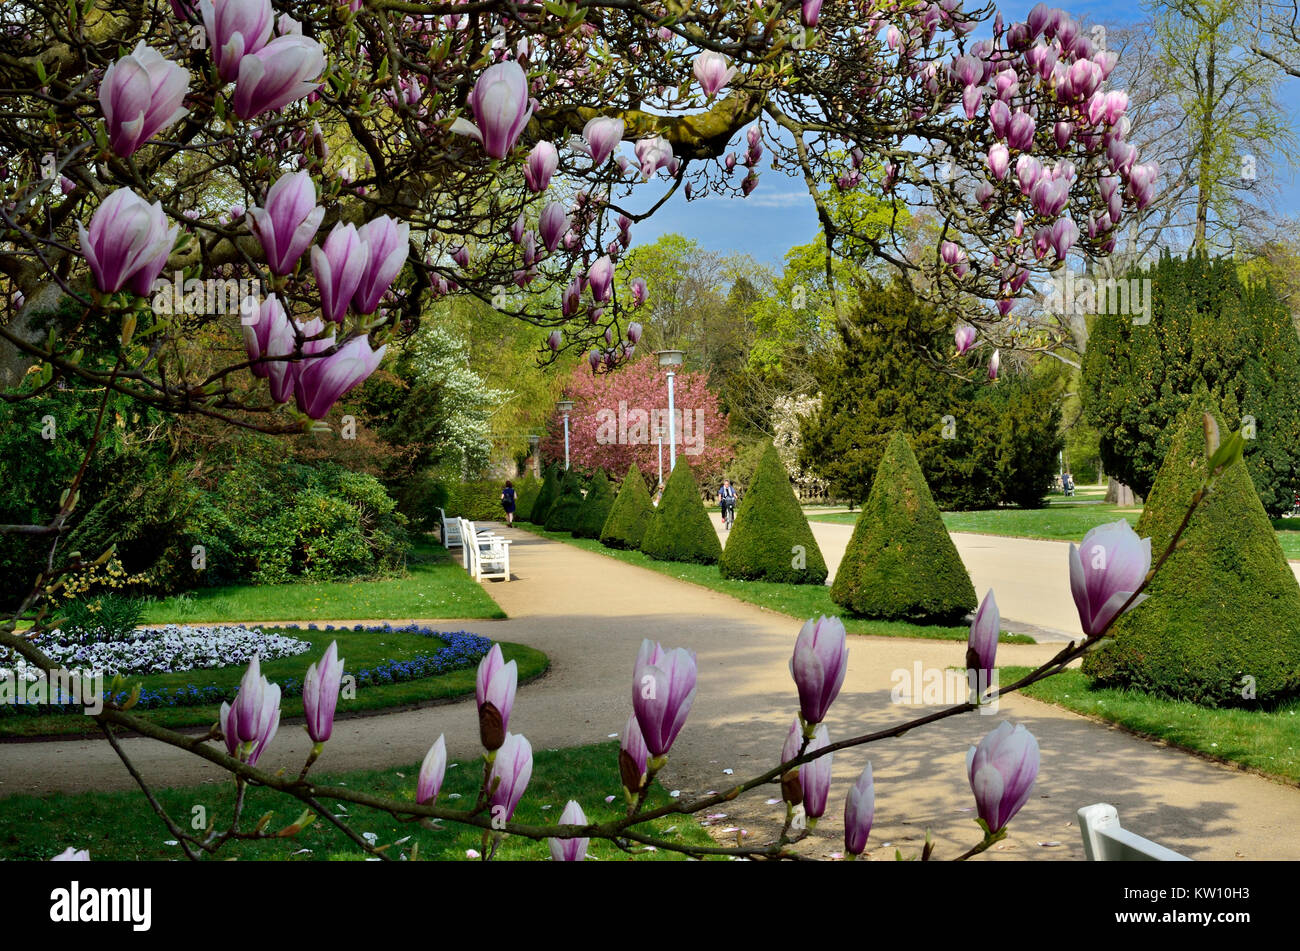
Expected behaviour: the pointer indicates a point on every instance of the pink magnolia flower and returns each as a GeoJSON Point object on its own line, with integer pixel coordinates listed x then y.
{"type": "Point", "coordinates": [570, 850]}
{"type": "Point", "coordinates": [236, 28]}
{"type": "Point", "coordinates": [321, 381]}
{"type": "Point", "coordinates": [554, 339]}
{"type": "Point", "coordinates": [128, 242]}
{"type": "Point", "coordinates": [632, 757]}
{"type": "Point", "coordinates": [638, 288]}
{"type": "Point", "coordinates": [287, 224]}
{"type": "Point", "coordinates": [494, 691]}
{"type": "Point", "coordinates": [712, 72]}
{"type": "Point", "coordinates": [320, 693]}
{"type": "Point", "coordinates": [1111, 564]}
{"type": "Point", "coordinates": [386, 247]}
{"type": "Point", "coordinates": [283, 71]}
{"type": "Point", "coordinates": [271, 335]}
{"type": "Point", "coordinates": [663, 689]}
{"type": "Point", "coordinates": [553, 224]}
{"type": "Point", "coordinates": [602, 136]}
{"type": "Point", "coordinates": [600, 278]}
{"type": "Point", "coordinates": [432, 771]}
{"type": "Point", "coordinates": [1002, 770]}
{"type": "Point", "coordinates": [809, 12]}
{"type": "Point", "coordinates": [540, 166]}
{"type": "Point", "coordinates": [965, 338]}
{"type": "Point", "coordinates": [982, 644]}
{"type": "Point", "coordinates": [141, 94]}
{"type": "Point", "coordinates": [815, 776]}
{"type": "Point", "coordinates": [999, 160]}
{"type": "Point", "coordinates": [501, 107]}
{"type": "Point", "coordinates": [653, 154]}
{"type": "Point", "coordinates": [859, 812]}
{"type": "Point", "coordinates": [511, 770]}
{"type": "Point", "coordinates": [818, 666]}
{"type": "Point", "coordinates": [339, 266]}
{"type": "Point", "coordinates": [995, 362]}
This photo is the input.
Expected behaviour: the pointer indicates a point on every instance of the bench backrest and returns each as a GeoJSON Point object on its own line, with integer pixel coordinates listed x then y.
{"type": "Point", "coordinates": [1105, 841]}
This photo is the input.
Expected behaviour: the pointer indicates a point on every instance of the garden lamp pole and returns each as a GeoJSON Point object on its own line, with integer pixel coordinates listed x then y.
{"type": "Point", "coordinates": [565, 407]}
{"type": "Point", "coordinates": [532, 450]}
{"type": "Point", "coordinates": [659, 432]}
{"type": "Point", "coordinates": [671, 359]}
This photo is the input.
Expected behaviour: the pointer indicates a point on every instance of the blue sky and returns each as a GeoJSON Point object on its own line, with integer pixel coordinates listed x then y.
{"type": "Point", "coordinates": [779, 214]}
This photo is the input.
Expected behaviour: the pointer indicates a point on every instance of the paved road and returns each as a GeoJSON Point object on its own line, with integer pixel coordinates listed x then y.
{"type": "Point", "coordinates": [589, 613]}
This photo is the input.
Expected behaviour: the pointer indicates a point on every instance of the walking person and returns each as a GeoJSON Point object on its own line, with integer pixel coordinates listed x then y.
{"type": "Point", "coordinates": [508, 502]}
{"type": "Point", "coordinates": [727, 499]}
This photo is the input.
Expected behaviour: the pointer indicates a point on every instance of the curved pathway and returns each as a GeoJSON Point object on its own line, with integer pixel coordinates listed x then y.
{"type": "Point", "coordinates": [590, 612]}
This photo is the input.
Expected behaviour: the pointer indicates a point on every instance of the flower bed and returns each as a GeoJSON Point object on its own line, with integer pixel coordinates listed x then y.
{"type": "Point", "coordinates": [462, 649]}
{"type": "Point", "coordinates": [171, 649]}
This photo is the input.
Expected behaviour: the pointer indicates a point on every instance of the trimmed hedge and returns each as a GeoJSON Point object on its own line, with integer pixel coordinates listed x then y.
{"type": "Point", "coordinates": [595, 508]}
{"type": "Point", "coordinates": [770, 532]}
{"type": "Point", "coordinates": [476, 501]}
{"type": "Point", "coordinates": [630, 515]}
{"type": "Point", "coordinates": [681, 529]}
{"type": "Point", "coordinates": [900, 563]}
{"type": "Point", "coordinates": [526, 491]}
{"type": "Point", "coordinates": [564, 513]}
{"type": "Point", "coordinates": [1225, 605]}
{"type": "Point", "coordinates": [546, 496]}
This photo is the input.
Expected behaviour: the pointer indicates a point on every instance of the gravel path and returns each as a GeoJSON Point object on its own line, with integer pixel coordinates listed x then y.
{"type": "Point", "coordinates": [590, 612]}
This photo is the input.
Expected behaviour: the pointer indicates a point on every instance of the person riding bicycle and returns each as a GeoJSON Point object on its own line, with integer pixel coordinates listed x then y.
{"type": "Point", "coordinates": [727, 500]}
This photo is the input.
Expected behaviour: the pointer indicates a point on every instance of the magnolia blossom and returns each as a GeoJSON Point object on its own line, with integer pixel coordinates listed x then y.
{"type": "Point", "coordinates": [320, 694]}
{"type": "Point", "coordinates": [553, 225]}
{"type": "Point", "coordinates": [283, 71]}
{"type": "Point", "coordinates": [982, 644]}
{"type": "Point", "coordinates": [540, 166]}
{"type": "Point", "coordinates": [511, 769]}
{"type": "Point", "coordinates": [501, 107]}
{"type": "Point", "coordinates": [271, 335]}
{"type": "Point", "coordinates": [570, 850]}
{"type": "Point", "coordinates": [815, 776]}
{"type": "Point", "coordinates": [632, 757]}
{"type": "Point", "coordinates": [554, 339]}
{"type": "Point", "coordinates": [653, 154]}
{"type": "Point", "coordinates": [141, 94]}
{"type": "Point", "coordinates": [712, 72]}
{"type": "Point", "coordinates": [638, 288]}
{"type": "Point", "coordinates": [128, 242]}
{"type": "Point", "coordinates": [999, 160]}
{"type": "Point", "coordinates": [1111, 564]}
{"type": "Point", "coordinates": [339, 265]}
{"type": "Point", "coordinates": [287, 224]}
{"type": "Point", "coordinates": [386, 248]}
{"type": "Point", "coordinates": [1002, 770]}
{"type": "Point", "coordinates": [859, 811]}
{"type": "Point", "coordinates": [236, 28]}
{"type": "Point", "coordinates": [600, 278]}
{"type": "Point", "coordinates": [965, 338]}
{"type": "Point", "coordinates": [432, 771]}
{"type": "Point", "coordinates": [809, 11]}
{"type": "Point", "coordinates": [995, 362]}
{"type": "Point", "coordinates": [663, 689]}
{"type": "Point", "coordinates": [322, 381]}
{"type": "Point", "coordinates": [602, 136]}
{"type": "Point", "coordinates": [818, 666]}
{"type": "Point", "coordinates": [494, 691]}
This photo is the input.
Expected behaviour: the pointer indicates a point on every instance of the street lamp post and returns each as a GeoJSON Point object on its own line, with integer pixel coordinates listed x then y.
{"type": "Point", "coordinates": [565, 407]}
{"type": "Point", "coordinates": [671, 359]}
{"type": "Point", "coordinates": [532, 450]}
{"type": "Point", "coordinates": [659, 433]}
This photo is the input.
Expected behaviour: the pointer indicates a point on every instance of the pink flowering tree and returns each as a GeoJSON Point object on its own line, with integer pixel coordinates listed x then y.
{"type": "Point", "coordinates": [617, 416]}
{"type": "Point", "coordinates": [236, 209]}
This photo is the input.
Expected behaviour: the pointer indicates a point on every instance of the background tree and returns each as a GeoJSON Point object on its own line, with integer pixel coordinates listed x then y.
{"type": "Point", "coordinates": [1211, 335]}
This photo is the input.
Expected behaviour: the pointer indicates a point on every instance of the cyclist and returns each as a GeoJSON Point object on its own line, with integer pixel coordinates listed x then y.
{"type": "Point", "coordinates": [727, 499]}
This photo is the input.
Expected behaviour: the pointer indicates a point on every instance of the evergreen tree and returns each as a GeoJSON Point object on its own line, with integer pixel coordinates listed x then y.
{"type": "Point", "coordinates": [546, 496]}
{"type": "Point", "coordinates": [681, 529]}
{"type": "Point", "coordinates": [595, 507]}
{"type": "Point", "coordinates": [1221, 623]}
{"type": "Point", "coordinates": [771, 540]}
{"type": "Point", "coordinates": [900, 563]}
{"type": "Point", "coordinates": [977, 444]}
{"type": "Point", "coordinates": [630, 515]}
{"type": "Point", "coordinates": [1209, 336]}
{"type": "Point", "coordinates": [563, 515]}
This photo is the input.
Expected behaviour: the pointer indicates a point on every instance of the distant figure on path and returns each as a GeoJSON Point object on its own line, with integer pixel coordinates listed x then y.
{"type": "Point", "coordinates": [727, 499]}
{"type": "Point", "coordinates": [508, 502]}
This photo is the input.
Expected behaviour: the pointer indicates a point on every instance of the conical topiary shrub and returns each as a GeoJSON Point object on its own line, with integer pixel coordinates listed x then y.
{"type": "Point", "coordinates": [630, 515]}
{"type": "Point", "coordinates": [595, 507]}
{"type": "Point", "coordinates": [771, 540]}
{"type": "Point", "coordinates": [526, 491]}
{"type": "Point", "coordinates": [546, 496]}
{"type": "Point", "coordinates": [900, 563]}
{"type": "Point", "coordinates": [1221, 623]}
{"type": "Point", "coordinates": [564, 513]}
{"type": "Point", "coordinates": [681, 529]}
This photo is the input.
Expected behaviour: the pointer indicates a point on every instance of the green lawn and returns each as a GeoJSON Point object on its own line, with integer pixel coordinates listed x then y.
{"type": "Point", "coordinates": [1266, 742]}
{"type": "Point", "coordinates": [800, 601]}
{"type": "Point", "coordinates": [435, 586]}
{"type": "Point", "coordinates": [121, 827]}
{"type": "Point", "coordinates": [359, 649]}
{"type": "Point", "coordinates": [1059, 521]}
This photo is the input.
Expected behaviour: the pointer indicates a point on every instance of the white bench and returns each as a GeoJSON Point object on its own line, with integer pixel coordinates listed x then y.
{"type": "Point", "coordinates": [1105, 841]}
{"type": "Point", "coordinates": [467, 529]}
{"type": "Point", "coordinates": [489, 554]}
{"type": "Point", "coordinates": [450, 530]}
